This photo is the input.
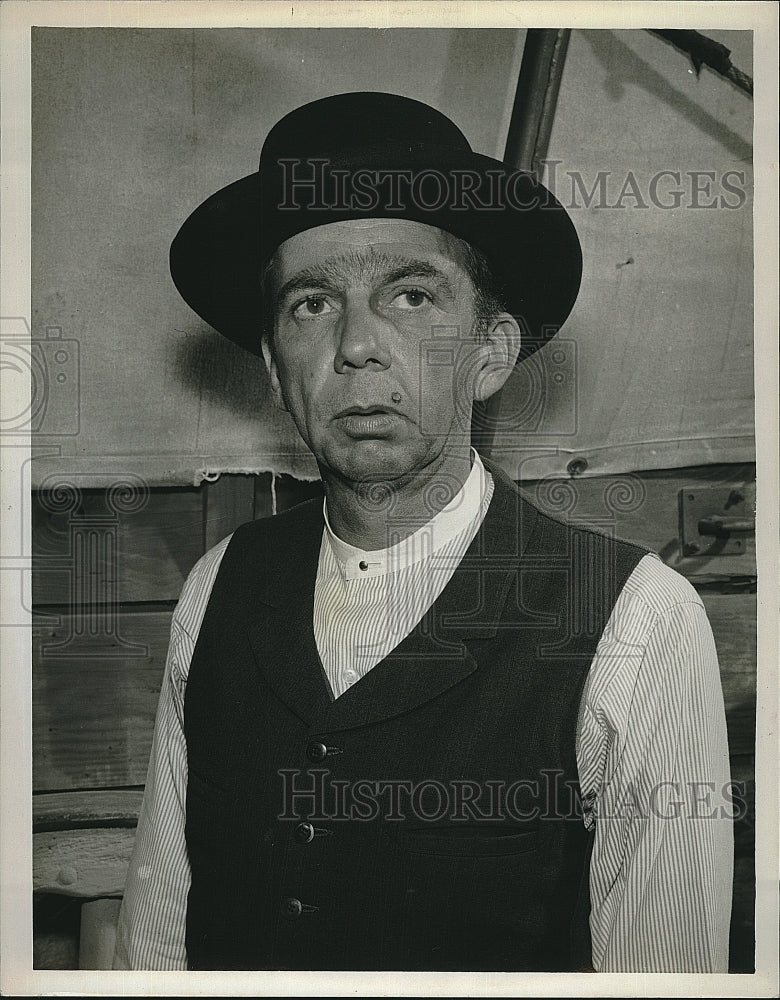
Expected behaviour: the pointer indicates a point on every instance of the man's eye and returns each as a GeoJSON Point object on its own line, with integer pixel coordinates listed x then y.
{"type": "Point", "coordinates": [312, 306]}
{"type": "Point", "coordinates": [411, 298]}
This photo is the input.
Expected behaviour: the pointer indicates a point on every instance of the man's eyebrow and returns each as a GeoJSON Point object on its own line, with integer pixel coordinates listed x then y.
{"type": "Point", "coordinates": [323, 276]}
{"type": "Point", "coordinates": [329, 274]}
{"type": "Point", "coordinates": [418, 269]}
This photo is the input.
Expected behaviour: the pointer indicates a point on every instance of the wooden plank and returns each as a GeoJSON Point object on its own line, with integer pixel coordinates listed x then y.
{"type": "Point", "coordinates": [743, 778]}
{"type": "Point", "coordinates": [733, 621]}
{"type": "Point", "coordinates": [290, 492]}
{"type": "Point", "coordinates": [229, 502]}
{"type": "Point", "coordinates": [159, 545]}
{"type": "Point", "coordinates": [643, 507]}
{"type": "Point", "coordinates": [99, 807]}
{"type": "Point", "coordinates": [265, 492]}
{"type": "Point", "coordinates": [141, 554]}
{"type": "Point", "coordinates": [739, 696]}
{"type": "Point", "coordinates": [93, 712]}
{"type": "Point", "coordinates": [84, 863]}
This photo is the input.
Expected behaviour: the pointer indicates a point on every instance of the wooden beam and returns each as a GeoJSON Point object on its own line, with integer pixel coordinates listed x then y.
{"type": "Point", "coordinates": [84, 863]}
{"type": "Point", "coordinates": [117, 807]}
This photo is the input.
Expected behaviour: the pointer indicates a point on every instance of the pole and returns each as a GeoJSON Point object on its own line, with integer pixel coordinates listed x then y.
{"type": "Point", "coordinates": [530, 126]}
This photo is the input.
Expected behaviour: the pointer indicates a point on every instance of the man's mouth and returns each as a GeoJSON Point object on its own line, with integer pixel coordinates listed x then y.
{"type": "Point", "coordinates": [364, 411]}
{"type": "Point", "coordinates": [368, 421]}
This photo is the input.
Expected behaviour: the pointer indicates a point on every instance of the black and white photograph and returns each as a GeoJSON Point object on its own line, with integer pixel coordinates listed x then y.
{"type": "Point", "coordinates": [389, 447]}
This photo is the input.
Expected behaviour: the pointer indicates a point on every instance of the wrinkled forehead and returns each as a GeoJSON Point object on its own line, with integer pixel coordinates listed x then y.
{"type": "Point", "coordinates": [365, 250]}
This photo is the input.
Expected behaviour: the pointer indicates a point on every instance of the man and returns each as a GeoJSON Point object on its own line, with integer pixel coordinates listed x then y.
{"type": "Point", "coordinates": [423, 726]}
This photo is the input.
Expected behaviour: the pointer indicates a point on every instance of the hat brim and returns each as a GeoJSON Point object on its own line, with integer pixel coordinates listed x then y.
{"type": "Point", "coordinates": [532, 246]}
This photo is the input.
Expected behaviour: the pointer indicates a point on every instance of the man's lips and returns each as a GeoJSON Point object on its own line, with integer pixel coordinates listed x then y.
{"type": "Point", "coordinates": [370, 421]}
{"type": "Point", "coordinates": [368, 411]}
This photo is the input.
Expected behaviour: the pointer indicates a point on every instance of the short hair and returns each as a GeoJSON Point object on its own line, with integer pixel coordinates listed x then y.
{"type": "Point", "coordinates": [488, 294]}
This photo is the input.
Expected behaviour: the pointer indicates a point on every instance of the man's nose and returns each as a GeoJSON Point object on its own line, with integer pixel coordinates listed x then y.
{"type": "Point", "coordinates": [363, 339]}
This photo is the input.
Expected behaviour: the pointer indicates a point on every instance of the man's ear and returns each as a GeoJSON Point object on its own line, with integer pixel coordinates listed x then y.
{"type": "Point", "coordinates": [273, 372]}
{"type": "Point", "coordinates": [500, 347]}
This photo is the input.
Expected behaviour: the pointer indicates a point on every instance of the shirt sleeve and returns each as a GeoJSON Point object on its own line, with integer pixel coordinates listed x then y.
{"type": "Point", "coordinates": [152, 917]}
{"type": "Point", "coordinates": [150, 931]}
{"type": "Point", "coordinates": [662, 866]}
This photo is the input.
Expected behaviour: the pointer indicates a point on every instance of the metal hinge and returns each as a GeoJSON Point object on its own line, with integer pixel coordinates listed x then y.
{"type": "Point", "coordinates": [714, 521]}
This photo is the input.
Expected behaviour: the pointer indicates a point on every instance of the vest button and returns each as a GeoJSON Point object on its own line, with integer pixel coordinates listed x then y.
{"type": "Point", "coordinates": [304, 833]}
{"type": "Point", "coordinates": [292, 907]}
{"type": "Point", "coordinates": [316, 751]}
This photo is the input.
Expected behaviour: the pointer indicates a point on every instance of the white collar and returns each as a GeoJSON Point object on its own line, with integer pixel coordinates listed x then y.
{"type": "Point", "coordinates": [461, 511]}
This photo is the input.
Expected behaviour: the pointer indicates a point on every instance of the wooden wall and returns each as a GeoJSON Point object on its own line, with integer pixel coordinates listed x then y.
{"type": "Point", "coordinates": [100, 639]}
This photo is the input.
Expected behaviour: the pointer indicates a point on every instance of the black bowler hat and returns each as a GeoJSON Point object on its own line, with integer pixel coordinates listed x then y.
{"type": "Point", "coordinates": [374, 155]}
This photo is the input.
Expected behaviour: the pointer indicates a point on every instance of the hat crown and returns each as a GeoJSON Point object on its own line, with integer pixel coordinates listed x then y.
{"type": "Point", "coordinates": [333, 126]}
{"type": "Point", "coordinates": [377, 155]}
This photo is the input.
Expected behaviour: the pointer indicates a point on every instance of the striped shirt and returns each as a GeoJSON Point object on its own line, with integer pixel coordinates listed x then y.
{"type": "Point", "coordinates": [651, 745]}
{"type": "Point", "coordinates": [365, 603]}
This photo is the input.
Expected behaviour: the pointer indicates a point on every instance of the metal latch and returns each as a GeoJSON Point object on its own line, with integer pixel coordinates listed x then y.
{"type": "Point", "coordinates": [714, 521]}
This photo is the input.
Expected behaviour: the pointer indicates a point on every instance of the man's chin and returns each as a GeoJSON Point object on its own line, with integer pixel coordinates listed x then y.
{"type": "Point", "coordinates": [374, 460]}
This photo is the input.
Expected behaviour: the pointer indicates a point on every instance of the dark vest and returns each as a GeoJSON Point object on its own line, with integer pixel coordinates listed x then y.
{"type": "Point", "coordinates": [429, 818]}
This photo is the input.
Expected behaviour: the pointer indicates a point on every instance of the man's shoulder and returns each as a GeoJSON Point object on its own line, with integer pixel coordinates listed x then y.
{"type": "Point", "coordinates": [271, 532]}
{"type": "Point", "coordinates": [651, 582]}
{"type": "Point", "coordinates": [271, 528]}
{"type": "Point", "coordinates": [660, 587]}
{"type": "Point", "coordinates": [291, 520]}
{"type": "Point", "coordinates": [554, 527]}
{"type": "Point", "coordinates": [559, 525]}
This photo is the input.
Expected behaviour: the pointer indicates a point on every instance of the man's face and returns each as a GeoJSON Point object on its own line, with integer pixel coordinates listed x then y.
{"type": "Point", "coordinates": [374, 352]}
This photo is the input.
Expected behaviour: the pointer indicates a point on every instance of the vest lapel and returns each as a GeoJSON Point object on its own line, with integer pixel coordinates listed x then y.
{"type": "Point", "coordinates": [433, 658]}
{"type": "Point", "coordinates": [280, 612]}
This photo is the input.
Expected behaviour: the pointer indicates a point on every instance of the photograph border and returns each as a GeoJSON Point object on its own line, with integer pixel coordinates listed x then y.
{"type": "Point", "coordinates": [16, 19]}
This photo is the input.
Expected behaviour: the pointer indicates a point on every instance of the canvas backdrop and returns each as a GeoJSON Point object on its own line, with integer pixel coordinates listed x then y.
{"type": "Point", "coordinates": [133, 128]}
